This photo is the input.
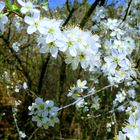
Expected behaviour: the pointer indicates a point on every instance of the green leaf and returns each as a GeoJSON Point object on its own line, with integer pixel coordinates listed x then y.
{"type": "Point", "coordinates": [15, 7]}
{"type": "Point", "coordinates": [11, 7]}
{"type": "Point", "coordinates": [8, 5]}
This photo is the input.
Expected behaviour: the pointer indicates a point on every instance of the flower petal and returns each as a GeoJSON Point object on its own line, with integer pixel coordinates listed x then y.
{"type": "Point", "coordinates": [2, 5]}
{"type": "Point", "coordinates": [28, 20]}
{"type": "Point", "coordinates": [31, 29]}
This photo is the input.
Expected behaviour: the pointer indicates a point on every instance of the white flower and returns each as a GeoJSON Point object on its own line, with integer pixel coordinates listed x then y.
{"type": "Point", "coordinates": [121, 108]}
{"type": "Point", "coordinates": [129, 44]}
{"type": "Point", "coordinates": [121, 136]}
{"type": "Point", "coordinates": [27, 7]}
{"type": "Point", "coordinates": [75, 91]}
{"type": "Point", "coordinates": [96, 102]}
{"type": "Point", "coordinates": [82, 84]}
{"type": "Point", "coordinates": [44, 113]}
{"type": "Point", "coordinates": [113, 61]}
{"type": "Point", "coordinates": [83, 59]}
{"type": "Point", "coordinates": [35, 23]}
{"type": "Point", "coordinates": [80, 102]}
{"type": "Point", "coordinates": [72, 91]}
{"type": "Point", "coordinates": [112, 24]}
{"type": "Point", "coordinates": [15, 46]}
{"type": "Point", "coordinates": [120, 97]}
{"type": "Point", "coordinates": [119, 45]}
{"type": "Point", "coordinates": [100, 13]}
{"type": "Point", "coordinates": [117, 32]}
{"type": "Point", "coordinates": [22, 135]}
{"type": "Point", "coordinates": [68, 43]}
{"type": "Point", "coordinates": [132, 129]}
{"type": "Point", "coordinates": [52, 29]}
{"type": "Point", "coordinates": [50, 47]}
{"type": "Point", "coordinates": [132, 93]}
{"type": "Point", "coordinates": [108, 125]}
{"type": "Point", "coordinates": [51, 36]}
{"type": "Point", "coordinates": [17, 88]}
{"type": "Point", "coordinates": [74, 61]}
{"type": "Point", "coordinates": [25, 86]}
{"type": "Point", "coordinates": [80, 47]}
{"type": "Point", "coordinates": [49, 103]}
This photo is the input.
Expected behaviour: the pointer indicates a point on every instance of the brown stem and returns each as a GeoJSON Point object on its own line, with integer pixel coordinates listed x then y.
{"type": "Point", "coordinates": [43, 70]}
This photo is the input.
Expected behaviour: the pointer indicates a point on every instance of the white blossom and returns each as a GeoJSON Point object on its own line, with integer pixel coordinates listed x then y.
{"type": "Point", "coordinates": [112, 24]}
{"type": "Point", "coordinates": [15, 46]}
{"type": "Point", "coordinates": [27, 7]}
{"type": "Point", "coordinates": [34, 23]}
{"type": "Point", "coordinates": [25, 86]}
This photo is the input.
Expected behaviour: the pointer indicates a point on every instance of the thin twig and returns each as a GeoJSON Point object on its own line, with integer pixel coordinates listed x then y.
{"type": "Point", "coordinates": [33, 133]}
{"type": "Point", "coordinates": [15, 120]}
{"type": "Point", "coordinates": [16, 13]}
{"type": "Point", "coordinates": [127, 10]}
{"type": "Point", "coordinates": [33, 93]}
{"type": "Point", "coordinates": [86, 96]}
{"type": "Point", "coordinates": [106, 113]}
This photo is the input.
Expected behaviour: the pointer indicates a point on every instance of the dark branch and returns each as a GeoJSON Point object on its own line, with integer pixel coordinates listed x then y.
{"type": "Point", "coordinates": [67, 5]}
{"type": "Point", "coordinates": [69, 16]}
{"type": "Point", "coordinates": [102, 2]}
{"type": "Point", "coordinates": [88, 13]}
{"type": "Point", "coordinates": [74, 8]}
{"type": "Point", "coordinates": [43, 70]}
{"type": "Point", "coordinates": [127, 10]}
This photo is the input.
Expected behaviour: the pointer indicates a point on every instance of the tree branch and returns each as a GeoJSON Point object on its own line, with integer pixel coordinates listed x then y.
{"type": "Point", "coordinates": [86, 96]}
{"type": "Point", "coordinates": [88, 13]}
{"type": "Point", "coordinates": [43, 70]}
{"type": "Point", "coordinates": [69, 16]}
{"type": "Point", "coordinates": [67, 5]}
{"type": "Point", "coordinates": [102, 2]}
{"type": "Point", "coordinates": [74, 8]}
{"type": "Point", "coordinates": [127, 10]}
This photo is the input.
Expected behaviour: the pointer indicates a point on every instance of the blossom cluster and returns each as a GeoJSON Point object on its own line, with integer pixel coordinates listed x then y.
{"type": "Point", "coordinates": [108, 126]}
{"type": "Point", "coordinates": [44, 113]}
{"type": "Point", "coordinates": [118, 66]}
{"type": "Point", "coordinates": [99, 16]}
{"type": "Point", "coordinates": [16, 46]}
{"type": "Point", "coordinates": [118, 47]}
{"type": "Point", "coordinates": [76, 45]}
{"type": "Point", "coordinates": [19, 87]}
{"type": "Point", "coordinates": [126, 99]}
{"type": "Point", "coordinates": [79, 91]}
{"type": "Point", "coordinates": [100, 13]}
{"type": "Point", "coordinates": [132, 127]}
{"type": "Point", "coordinates": [76, 92]}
